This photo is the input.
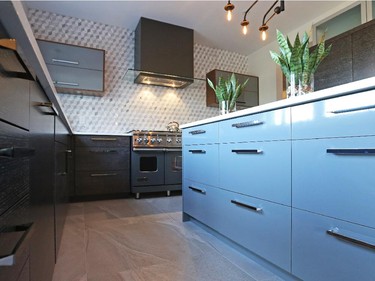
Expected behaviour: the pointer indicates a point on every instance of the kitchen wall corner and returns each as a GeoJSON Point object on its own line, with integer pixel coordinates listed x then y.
{"type": "Point", "coordinates": [126, 105]}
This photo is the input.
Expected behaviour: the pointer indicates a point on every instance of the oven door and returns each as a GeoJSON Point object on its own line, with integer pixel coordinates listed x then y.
{"type": "Point", "coordinates": [173, 166]}
{"type": "Point", "coordinates": [147, 167]}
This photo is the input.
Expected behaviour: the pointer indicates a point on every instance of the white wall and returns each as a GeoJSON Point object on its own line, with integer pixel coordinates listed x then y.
{"type": "Point", "coordinates": [270, 76]}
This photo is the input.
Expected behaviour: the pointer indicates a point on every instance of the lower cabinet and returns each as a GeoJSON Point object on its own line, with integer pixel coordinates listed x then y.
{"type": "Point", "coordinates": [260, 226]}
{"type": "Point", "coordinates": [327, 249]}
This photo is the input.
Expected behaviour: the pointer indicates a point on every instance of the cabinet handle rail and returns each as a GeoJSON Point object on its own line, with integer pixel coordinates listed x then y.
{"type": "Point", "coordinates": [103, 151]}
{"type": "Point", "coordinates": [65, 61]}
{"type": "Point", "coordinates": [247, 151]}
{"type": "Point", "coordinates": [253, 208]}
{"type": "Point", "coordinates": [197, 190]}
{"type": "Point", "coordinates": [103, 175]}
{"type": "Point", "coordinates": [104, 139]}
{"type": "Point", "coordinates": [49, 105]}
{"type": "Point", "coordinates": [353, 109]}
{"type": "Point", "coordinates": [247, 124]}
{"type": "Point", "coordinates": [16, 152]}
{"type": "Point", "coordinates": [336, 233]}
{"type": "Point", "coordinates": [66, 83]}
{"type": "Point", "coordinates": [352, 151]}
{"type": "Point", "coordinates": [197, 132]}
{"type": "Point", "coordinates": [197, 151]}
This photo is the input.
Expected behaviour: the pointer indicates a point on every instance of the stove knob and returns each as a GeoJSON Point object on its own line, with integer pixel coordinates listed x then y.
{"type": "Point", "coordinates": [153, 140]}
{"type": "Point", "coordinates": [139, 140]}
{"type": "Point", "coordinates": [145, 140]}
{"type": "Point", "coordinates": [159, 140]}
{"type": "Point", "coordinates": [169, 140]}
{"type": "Point", "coordinates": [178, 140]}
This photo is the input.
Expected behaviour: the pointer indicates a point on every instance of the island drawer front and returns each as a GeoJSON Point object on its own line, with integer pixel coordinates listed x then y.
{"type": "Point", "coordinates": [201, 202]}
{"type": "Point", "coordinates": [72, 56]}
{"type": "Point", "coordinates": [258, 225]}
{"type": "Point", "coordinates": [102, 141]}
{"type": "Point", "coordinates": [201, 134]}
{"type": "Point", "coordinates": [335, 177]}
{"type": "Point", "coordinates": [337, 117]}
{"type": "Point", "coordinates": [99, 182]}
{"type": "Point", "coordinates": [272, 125]}
{"type": "Point", "coordinates": [101, 158]}
{"type": "Point", "coordinates": [317, 255]}
{"type": "Point", "coordinates": [259, 169]}
{"type": "Point", "coordinates": [201, 164]}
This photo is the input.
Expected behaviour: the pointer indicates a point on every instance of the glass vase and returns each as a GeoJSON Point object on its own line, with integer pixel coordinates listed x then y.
{"type": "Point", "coordinates": [224, 107]}
{"type": "Point", "coordinates": [299, 85]}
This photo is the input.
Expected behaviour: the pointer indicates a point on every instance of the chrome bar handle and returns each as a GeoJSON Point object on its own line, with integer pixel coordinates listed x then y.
{"type": "Point", "coordinates": [352, 151]}
{"type": "Point", "coordinates": [253, 208]}
{"type": "Point", "coordinates": [196, 151]}
{"type": "Point", "coordinates": [104, 151]}
{"type": "Point", "coordinates": [197, 132]}
{"type": "Point", "coordinates": [103, 139]}
{"type": "Point", "coordinates": [103, 175]}
{"type": "Point", "coordinates": [16, 152]}
{"type": "Point", "coordinates": [247, 151]}
{"type": "Point", "coordinates": [336, 233]}
{"type": "Point", "coordinates": [49, 105]}
{"type": "Point", "coordinates": [65, 61]}
{"type": "Point", "coordinates": [66, 83]}
{"type": "Point", "coordinates": [247, 124]}
{"type": "Point", "coordinates": [353, 109]}
{"type": "Point", "coordinates": [197, 190]}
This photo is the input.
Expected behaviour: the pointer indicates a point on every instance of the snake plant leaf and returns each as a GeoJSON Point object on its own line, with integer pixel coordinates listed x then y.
{"type": "Point", "coordinates": [284, 45]}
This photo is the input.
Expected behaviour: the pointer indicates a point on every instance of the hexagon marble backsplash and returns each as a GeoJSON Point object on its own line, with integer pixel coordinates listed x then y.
{"type": "Point", "coordinates": [127, 106]}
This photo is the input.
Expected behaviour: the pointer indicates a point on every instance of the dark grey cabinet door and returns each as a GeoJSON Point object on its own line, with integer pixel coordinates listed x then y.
{"type": "Point", "coordinates": [42, 248]}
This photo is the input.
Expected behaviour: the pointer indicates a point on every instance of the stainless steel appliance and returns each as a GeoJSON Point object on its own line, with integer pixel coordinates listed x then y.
{"type": "Point", "coordinates": [156, 162]}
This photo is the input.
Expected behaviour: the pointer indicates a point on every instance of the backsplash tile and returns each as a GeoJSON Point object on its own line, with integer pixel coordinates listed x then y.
{"type": "Point", "coordinates": [127, 106]}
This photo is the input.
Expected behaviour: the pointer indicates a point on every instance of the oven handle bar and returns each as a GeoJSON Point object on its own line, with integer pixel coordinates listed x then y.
{"type": "Point", "coordinates": [158, 149]}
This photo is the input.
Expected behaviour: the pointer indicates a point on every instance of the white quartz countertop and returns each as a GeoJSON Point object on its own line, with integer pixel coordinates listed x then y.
{"type": "Point", "coordinates": [341, 90]}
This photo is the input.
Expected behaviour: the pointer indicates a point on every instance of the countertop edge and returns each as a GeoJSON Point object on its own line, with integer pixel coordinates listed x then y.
{"type": "Point", "coordinates": [341, 90]}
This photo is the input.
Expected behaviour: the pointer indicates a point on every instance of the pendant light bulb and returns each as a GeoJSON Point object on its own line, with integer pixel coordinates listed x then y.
{"type": "Point", "coordinates": [263, 32]}
{"type": "Point", "coordinates": [229, 8]}
{"type": "Point", "coordinates": [264, 35]}
{"type": "Point", "coordinates": [244, 25]}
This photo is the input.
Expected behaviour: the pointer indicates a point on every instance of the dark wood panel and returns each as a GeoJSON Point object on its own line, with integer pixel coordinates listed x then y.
{"type": "Point", "coordinates": [61, 132]}
{"type": "Point", "coordinates": [336, 68]}
{"type": "Point", "coordinates": [108, 182]}
{"type": "Point", "coordinates": [101, 158]}
{"type": "Point", "coordinates": [102, 141]}
{"type": "Point", "coordinates": [363, 52]}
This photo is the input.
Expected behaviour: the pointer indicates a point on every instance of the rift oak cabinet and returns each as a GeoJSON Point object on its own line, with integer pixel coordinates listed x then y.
{"type": "Point", "coordinates": [74, 69]}
{"type": "Point", "coordinates": [102, 165]}
{"type": "Point", "coordinates": [293, 185]}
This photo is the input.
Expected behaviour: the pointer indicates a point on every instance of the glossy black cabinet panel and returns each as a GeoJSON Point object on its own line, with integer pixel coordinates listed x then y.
{"type": "Point", "coordinates": [61, 132]}
{"type": "Point", "coordinates": [101, 141]}
{"type": "Point", "coordinates": [363, 52]}
{"type": "Point", "coordinates": [336, 68]}
{"type": "Point", "coordinates": [42, 248]}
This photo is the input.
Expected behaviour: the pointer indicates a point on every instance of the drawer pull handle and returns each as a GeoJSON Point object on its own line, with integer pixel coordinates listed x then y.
{"type": "Point", "coordinates": [253, 208]}
{"type": "Point", "coordinates": [65, 83]}
{"type": "Point", "coordinates": [197, 190]}
{"type": "Point", "coordinates": [352, 151]}
{"type": "Point", "coordinates": [103, 175]}
{"type": "Point", "coordinates": [10, 260]}
{"type": "Point", "coordinates": [104, 139]}
{"type": "Point", "coordinates": [353, 109]}
{"type": "Point", "coordinates": [65, 61]}
{"type": "Point", "coordinates": [197, 151]}
{"type": "Point", "coordinates": [197, 132]}
{"type": "Point", "coordinates": [247, 124]}
{"type": "Point", "coordinates": [49, 105]}
{"type": "Point", "coordinates": [141, 179]}
{"type": "Point", "coordinates": [16, 152]}
{"type": "Point", "coordinates": [336, 233]}
{"type": "Point", "coordinates": [247, 151]}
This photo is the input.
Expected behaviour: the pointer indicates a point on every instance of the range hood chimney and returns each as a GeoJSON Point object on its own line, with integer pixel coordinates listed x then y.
{"type": "Point", "coordinates": [164, 54]}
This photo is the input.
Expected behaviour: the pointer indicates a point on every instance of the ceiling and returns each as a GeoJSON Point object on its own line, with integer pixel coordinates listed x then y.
{"type": "Point", "coordinates": [207, 18]}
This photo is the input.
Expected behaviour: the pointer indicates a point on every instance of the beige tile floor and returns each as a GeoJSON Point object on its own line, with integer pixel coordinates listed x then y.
{"type": "Point", "coordinates": [145, 240]}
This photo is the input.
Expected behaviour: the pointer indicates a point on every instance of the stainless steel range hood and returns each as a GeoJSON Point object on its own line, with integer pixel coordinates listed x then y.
{"type": "Point", "coordinates": [163, 54]}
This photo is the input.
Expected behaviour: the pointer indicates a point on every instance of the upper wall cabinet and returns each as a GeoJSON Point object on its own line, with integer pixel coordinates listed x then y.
{"type": "Point", "coordinates": [74, 69]}
{"type": "Point", "coordinates": [250, 94]}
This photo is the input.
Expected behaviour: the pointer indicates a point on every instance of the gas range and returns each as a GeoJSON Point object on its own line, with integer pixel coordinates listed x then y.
{"type": "Point", "coordinates": [156, 139]}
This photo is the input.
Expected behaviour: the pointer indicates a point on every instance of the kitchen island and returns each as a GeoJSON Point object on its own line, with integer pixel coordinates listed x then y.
{"type": "Point", "coordinates": [290, 183]}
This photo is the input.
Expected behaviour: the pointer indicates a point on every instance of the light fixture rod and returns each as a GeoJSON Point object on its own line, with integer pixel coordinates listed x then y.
{"type": "Point", "coordinates": [252, 5]}
{"type": "Point", "coordinates": [265, 15]}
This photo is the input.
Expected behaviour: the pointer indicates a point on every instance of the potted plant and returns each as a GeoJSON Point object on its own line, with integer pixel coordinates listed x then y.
{"type": "Point", "coordinates": [227, 92]}
{"type": "Point", "coordinates": [297, 62]}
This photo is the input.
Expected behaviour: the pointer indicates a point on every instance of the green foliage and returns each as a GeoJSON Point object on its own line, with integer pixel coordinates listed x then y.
{"type": "Point", "coordinates": [228, 89]}
{"type": "Point", "coordinates": [297, 58]}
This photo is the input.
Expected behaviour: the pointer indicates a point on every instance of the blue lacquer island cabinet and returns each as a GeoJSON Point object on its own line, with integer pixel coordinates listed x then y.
{"type": "Point", "coordinates": [291, 183]}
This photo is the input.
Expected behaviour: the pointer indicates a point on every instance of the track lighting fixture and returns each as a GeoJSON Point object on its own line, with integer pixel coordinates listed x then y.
{"type": "Point", "coordinates": [244, 25]}
{"type": "Point", "coordinates": [229, 7]}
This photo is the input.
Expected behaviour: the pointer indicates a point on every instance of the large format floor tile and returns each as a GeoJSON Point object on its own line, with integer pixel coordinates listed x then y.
{"type": "Point", "coordinates": [145, 240]}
